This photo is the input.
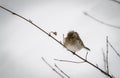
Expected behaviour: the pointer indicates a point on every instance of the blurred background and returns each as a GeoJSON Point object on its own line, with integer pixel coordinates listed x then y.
{"type": "Point", "coordinates": [22, 45]}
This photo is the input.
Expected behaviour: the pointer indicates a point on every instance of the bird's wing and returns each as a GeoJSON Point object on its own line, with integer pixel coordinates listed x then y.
{"type": "Point", "coordinates": [80, 41]}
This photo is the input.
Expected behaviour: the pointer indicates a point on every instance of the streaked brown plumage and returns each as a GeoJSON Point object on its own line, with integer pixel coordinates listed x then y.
{"type": "Point", "coordinates": [73, 42]}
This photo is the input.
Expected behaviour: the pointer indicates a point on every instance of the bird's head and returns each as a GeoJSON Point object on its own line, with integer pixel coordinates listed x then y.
{"type": "Point", "coordinates": [72, 34]}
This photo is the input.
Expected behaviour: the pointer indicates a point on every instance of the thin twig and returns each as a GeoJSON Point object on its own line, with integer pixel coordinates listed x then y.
{"type": "Point", "coordinates": [62, 71]}
{"type": "Point", "coordinates": [114, 49]}
{"type": "Point", "coordinates": [72, 61]}
{"type": "Point", "coordinates": [109, 25]}
{"type": "Point", "coordinates": [107, 61]}
{"type": "Point", "coordinates": [57, 41]}
{"type": "Point", "coordinates": [68, 61]}
{"type": "Point", "coordinates": [63, 39]}
{"type": "Point", "coordinates": [86, 56]}
{"type": "Point", "coordinates": [52, 67]}
{"type": "Point", "coordinates": [104, 59]}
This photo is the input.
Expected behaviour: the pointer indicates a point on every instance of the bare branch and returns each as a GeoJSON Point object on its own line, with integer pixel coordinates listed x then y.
{"type": "Point", "coordinates": [104, 59]}
{"type": "Point", "coordinates": [69, 61]}
{"type": "Point", "coordinates": [63, 39]}
{"type": "Point", "coordinates": [62, 71]}
{"type": "Point", "coordinates": [107, 61]}
{"type": "Point", "coordinates": [86, 56]}
{"type": "Point", "coordinates": [109, 25]}
{"type": "Point", "coordinates": [57, 41]}
{"type": "Point", "coordinates": [91, 64]}
{"type": "Point", "coordinates": [52, 67]}
{"type": "Point", "coordinates": [114, 49]}
{"type": "Point", "coordinates": [72, 61]}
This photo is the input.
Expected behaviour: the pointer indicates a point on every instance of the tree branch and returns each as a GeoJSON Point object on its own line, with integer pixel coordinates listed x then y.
{"type": "Point", "coordinates": [69, 61]}
{"type": "Point", "coordinates": [72, 61]}
{"type": "Point", "coordinates": [109, 25]}
{"type": "Point", "coordinates": [62, 71]}
{"type": "Point", "coordinates": [52, 67]}
{"type": "Point", "coordinates": [57, 41]}
{"type": "Point", "coordinates": [107, 61]}
{"type": "Point", "coordinates": [104, 59]}
{"type": "Point", "coordinates": [114, 49]}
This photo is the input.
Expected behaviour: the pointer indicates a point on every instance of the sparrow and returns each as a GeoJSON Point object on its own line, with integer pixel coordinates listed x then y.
{"type": "Point", "coordinates": [73, 42]}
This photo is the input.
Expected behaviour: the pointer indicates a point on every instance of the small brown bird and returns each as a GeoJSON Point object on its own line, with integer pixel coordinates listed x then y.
{"type": "Point", "coordinates": [73, 42]}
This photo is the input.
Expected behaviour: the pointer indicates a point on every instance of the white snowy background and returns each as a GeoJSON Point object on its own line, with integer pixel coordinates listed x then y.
{"type": "Point", "coordinates": [22, 45]}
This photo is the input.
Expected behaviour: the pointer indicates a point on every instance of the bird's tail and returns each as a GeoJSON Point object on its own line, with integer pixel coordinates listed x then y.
{"type": "Point", "coordinates": [87, 48]}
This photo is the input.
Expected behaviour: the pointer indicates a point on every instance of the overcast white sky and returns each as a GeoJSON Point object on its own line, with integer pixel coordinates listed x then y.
{"type": "Point", "coordinates": [22, 45]}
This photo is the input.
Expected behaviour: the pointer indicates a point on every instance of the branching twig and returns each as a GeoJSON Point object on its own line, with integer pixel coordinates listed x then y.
{"type": "Point", "coordinates": [109, 25]}
{"type": "Point", "coordinates": [57, 41]}
{"type": "Point", "coordinates": [62, 71]}
{"type": "Point", "coordinates": [52, 67]}
{"type": "Point", "coordinates": [72, 61]}
{"type": "Point", "coordinates": [114, 49]}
